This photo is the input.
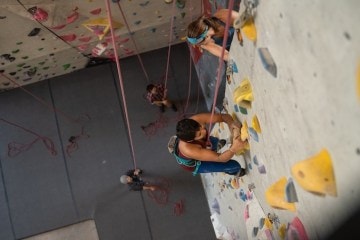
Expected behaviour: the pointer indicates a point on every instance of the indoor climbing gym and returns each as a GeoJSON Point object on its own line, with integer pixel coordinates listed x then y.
{"type": "Point", "coordinates": [179, 119]}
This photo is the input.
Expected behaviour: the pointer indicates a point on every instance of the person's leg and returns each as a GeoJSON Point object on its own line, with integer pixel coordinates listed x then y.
{"type": "Point", "coordinates": [169, 104]}
{"type": "Point", "coordinates": [231, 167]}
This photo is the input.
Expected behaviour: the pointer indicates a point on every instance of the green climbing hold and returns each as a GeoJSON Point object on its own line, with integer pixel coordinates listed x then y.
{"type": "Point", "coordinates": [66, 66]}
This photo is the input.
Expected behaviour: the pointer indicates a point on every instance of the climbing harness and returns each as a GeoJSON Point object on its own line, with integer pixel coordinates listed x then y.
{"type": "Point", "coordinates": [173, 146]}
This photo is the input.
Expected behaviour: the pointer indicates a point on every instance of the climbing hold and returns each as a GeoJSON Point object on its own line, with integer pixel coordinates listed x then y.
{"type": "Point", "coordinates": [235, 183]}
{"type": "Point", "coordinates": [282, 231]}
{"type": "Point", "coordinates": [268, 61]}
{"type": "Point", "coordinates": [100, 26]}
{"type": "Point", "coordinates": [215, 206]}
{"type": "Point", "coordinates": [275, 196]}
{"type": "Point", "coordinates": [256, 124]}
{"type": "Point", "coordinates": [236, 108]}
{"type": "Point", "coordinates": [39, 14]}
{"type": "Point", "coordinates": [243, 95]}
{"type": "Point", "coordinates": [255, 160]}
{"type": "Point", "coordinates": [255, 231]}
{"type": "Point", "coordinates": [316, 174]}
{"type": "Point", "coordinates": [261, 223]}
{"type": "Point", "coordinates": [72, 18]}
{"type": "Point", "coordinates": [253, 134]}
{"type": "Point", "coordinates": [269, 234]}
{"type": "Point", "coordinates": [246, 212]}
{"type": "Point", "coordinates": [244, 131]}
{"type": "Point", "coordinates": [180, 4]}
{"type": "Point", "coordinates": [262, 169]}
{"type": "Point", "coordinates": [34, 32]}
{"type": "Point", "coordinates": [243, 110]}
{"type": "Point", "coordinates": [251, 186]}
{"type": "Point", "coordinates": [66, 66]}
{"type": "Point", "coordinates": [268, 224]}
{"type": "Point", "coordinates": [68, 38]}
{"type": "Point", "coordinates": [249, 195]}
{"type": "Point", "coordinates": [296, 230]}
{"type": "Point", "coordinates": [249, 29]}
{"type": "Point", "coordinates": [242, 195]}
{"type": "Point", "coordinates": [290, 191]}
{"type": "Point", "coordinates": [96, 11]}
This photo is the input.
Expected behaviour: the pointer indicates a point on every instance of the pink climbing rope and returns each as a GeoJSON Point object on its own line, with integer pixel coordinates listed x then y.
{"type": "Point", "coordinates": [169, 48]}
{"type": "Point", "coordinates": [133, 41]}
{"type": "Point", "coordinates": [120, 80]}
{"type": "Point", "coordinates": [221, 61]}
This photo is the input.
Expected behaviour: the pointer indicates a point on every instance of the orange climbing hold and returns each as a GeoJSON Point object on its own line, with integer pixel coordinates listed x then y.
{"type": "Point", "coordinates": [235, 183]}
{"type": "Point", "coordinates": [316, 174]}
{"type": "Point", "coordinates": [275, 196]}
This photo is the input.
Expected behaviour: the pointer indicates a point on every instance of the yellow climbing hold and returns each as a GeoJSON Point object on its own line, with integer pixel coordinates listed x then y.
{"type": "Point", "coordinates": [268, 224]}
{"type": "Point", "coordinates": [249, 29]}
{"type": "Point", "coordinates": [101, 26]}
{"type": "Point", "coordinates": [282, 231]}
{"type": "Point", "coordinates": [316, 174]}
{"type": "Point", "coordinates": [256, 124]}
{"type": "Point", "coordinates": [244, 131]}
{"type": "Point", "coordinates": [275, 196]}
{"type": "Point", "coordinates": [243, 95]}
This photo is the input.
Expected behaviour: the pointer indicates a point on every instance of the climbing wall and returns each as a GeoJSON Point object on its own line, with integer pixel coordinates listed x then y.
{"type": "Point", "coordinates": [294, 85]}
{"type": "Point", "coordinates": [44, 39]}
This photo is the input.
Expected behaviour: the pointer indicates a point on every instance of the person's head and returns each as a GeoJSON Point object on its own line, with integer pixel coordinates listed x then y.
{"type": "Point", "coordinates": [189, 130]}
{"type": "Point", "coordinates": [202, 29]}
{"type": "Point", "coordinates": [125, 179]}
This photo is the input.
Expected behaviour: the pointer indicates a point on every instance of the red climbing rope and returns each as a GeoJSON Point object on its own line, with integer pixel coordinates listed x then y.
{"type": "Point", "coordinates": [161, 196]}
{"type": "Point", "coordinates": [15, 148]}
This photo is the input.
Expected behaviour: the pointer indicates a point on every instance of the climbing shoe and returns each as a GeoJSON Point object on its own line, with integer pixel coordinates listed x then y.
{"type": "Point", "coordinates": [162, 108]}
{"type": "Point", "coordinates": [241, 173]}
{"type": "Point", "coordinates": [221, 144]}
